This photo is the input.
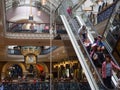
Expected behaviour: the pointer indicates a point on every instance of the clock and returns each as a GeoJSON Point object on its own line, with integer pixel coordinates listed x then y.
{"type": "Point", "coordinates": [30, 59]}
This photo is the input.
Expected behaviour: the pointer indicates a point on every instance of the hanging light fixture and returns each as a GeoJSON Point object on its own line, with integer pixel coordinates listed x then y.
{"type": "Point", "coordinates": [31, 15]}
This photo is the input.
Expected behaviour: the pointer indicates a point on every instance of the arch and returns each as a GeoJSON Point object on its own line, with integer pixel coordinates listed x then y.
{"type": "Point", "coordinates": [5, 67]}
{"type": "Point", "coordinates": [9, 64]}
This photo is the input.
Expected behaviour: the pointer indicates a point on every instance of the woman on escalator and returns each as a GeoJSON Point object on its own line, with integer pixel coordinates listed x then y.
{"type": "Point", "coordinates": [69, 11]}
{"type": "Point", "coordinates": [107, 68]}
{"type": "Point", "coordinates": [98, 58]}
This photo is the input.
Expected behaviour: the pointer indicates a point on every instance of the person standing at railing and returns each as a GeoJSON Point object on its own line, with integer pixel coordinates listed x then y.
{"type": "Point", "coordinates": [107, 67]}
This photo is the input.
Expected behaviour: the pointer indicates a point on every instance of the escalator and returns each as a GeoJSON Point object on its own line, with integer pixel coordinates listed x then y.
{"type": "Point", "coordinates": [81, 54]}
{"type": "Point", "coordinates": [90, 36]}
{"type": "Point", "coordinates": [108, 41]}
{"type": "Point", "coordinates": [90, 71]}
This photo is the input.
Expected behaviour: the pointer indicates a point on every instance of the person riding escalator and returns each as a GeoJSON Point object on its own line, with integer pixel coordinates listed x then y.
{"type": "Point", "coordinates": [107, 67]}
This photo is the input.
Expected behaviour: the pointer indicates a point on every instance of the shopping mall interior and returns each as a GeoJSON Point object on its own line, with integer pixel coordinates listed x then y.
{"type": "Point", "coordinates": [51, 44]}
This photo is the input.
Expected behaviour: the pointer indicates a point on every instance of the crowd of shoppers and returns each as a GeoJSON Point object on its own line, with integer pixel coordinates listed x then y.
{"type": "Point", "coordinates": [101, 59]}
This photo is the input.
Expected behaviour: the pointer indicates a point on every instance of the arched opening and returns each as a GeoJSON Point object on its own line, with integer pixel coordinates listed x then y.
{"type": "Point", "coordinates": [13, 70]}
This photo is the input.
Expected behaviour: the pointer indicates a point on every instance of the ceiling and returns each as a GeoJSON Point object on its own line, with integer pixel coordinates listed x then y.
{"type": "Point", "coordinates": [47, 5]}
